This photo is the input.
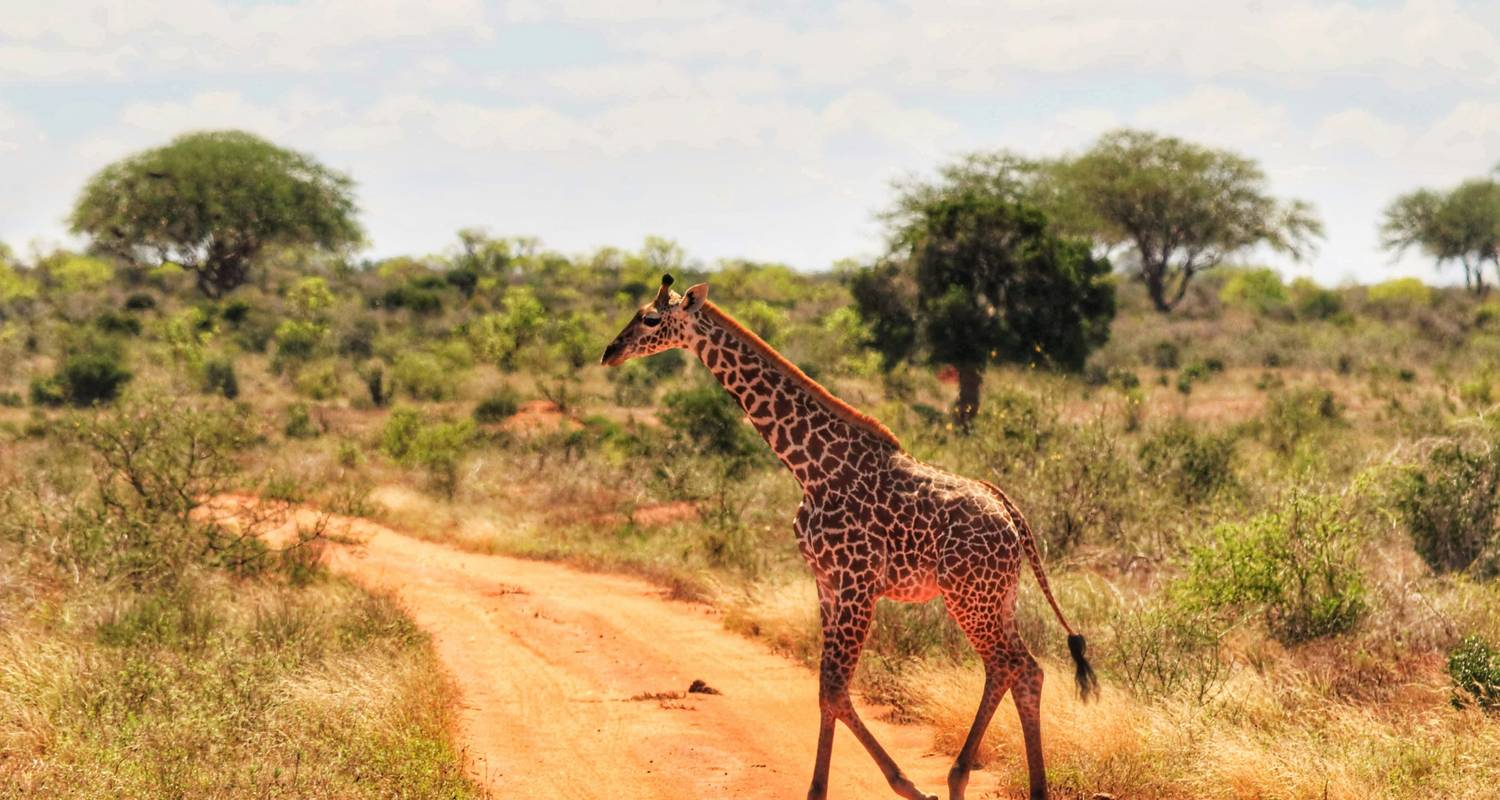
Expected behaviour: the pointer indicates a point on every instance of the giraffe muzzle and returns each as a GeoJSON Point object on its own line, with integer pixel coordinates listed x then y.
{"type": "Point", "coordinates": [611, 357]}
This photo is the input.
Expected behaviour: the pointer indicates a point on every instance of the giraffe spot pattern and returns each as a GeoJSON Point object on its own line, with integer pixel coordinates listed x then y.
{"type": "Point", "coordinates": [874, 522]}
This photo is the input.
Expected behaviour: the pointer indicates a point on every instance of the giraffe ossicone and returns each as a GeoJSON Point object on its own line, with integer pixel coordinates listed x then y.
{"type": "Point", "coordinates": [874, 522]}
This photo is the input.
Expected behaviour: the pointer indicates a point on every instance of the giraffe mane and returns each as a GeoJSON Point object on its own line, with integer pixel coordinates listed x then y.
{"type": "Point", "coordinates": [840, 409]}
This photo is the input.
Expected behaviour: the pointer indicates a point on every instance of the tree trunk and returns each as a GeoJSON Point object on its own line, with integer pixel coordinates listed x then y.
{"type": "Point", "coordinates": [969, 378]}
{"type": "Point", "coordinates": [1155, 276]}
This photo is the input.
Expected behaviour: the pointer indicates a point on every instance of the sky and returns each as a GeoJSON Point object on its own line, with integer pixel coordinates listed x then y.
{"type": "Point", "coordinates": [770, 131]}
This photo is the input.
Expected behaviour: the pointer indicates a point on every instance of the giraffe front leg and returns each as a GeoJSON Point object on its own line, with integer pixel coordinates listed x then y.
{"type": "Point", "coordinates": [846, 622]}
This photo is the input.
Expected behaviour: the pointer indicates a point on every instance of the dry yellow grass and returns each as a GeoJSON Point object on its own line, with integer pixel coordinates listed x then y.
{"type": "Point", "coordinates": [1322, 722]}
{"type": "Point", "coordinates": [1257, 740]}
{"type": "Point", "coordinates": [260, 691]}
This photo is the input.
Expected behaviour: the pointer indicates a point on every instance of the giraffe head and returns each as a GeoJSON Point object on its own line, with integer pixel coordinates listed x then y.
{"type": "Point", "coordinates": [662, 324]}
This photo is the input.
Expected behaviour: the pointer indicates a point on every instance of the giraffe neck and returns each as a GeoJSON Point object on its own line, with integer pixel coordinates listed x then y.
{"type": "Point", "coordinates": [818, 437]}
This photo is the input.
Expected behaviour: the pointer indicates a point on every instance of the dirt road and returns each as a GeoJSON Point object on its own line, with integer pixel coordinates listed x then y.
{"type": "Point", "coordinates": [557, 669]}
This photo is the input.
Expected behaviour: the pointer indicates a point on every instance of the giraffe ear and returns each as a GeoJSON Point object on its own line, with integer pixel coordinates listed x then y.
{"type": "Point", "coordinates": [695, 297]}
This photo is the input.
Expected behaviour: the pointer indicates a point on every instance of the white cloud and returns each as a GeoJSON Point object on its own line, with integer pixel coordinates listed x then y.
{"type": "Point", "coordinates": [18, 132]}
{"type": "Point", "coordinates": [718, 121]}
{"type": "Point", "coordinates": [985, 46]}
{"type": "Point", "coordinates": [219, 109]}
{"type": "Point", "coordinates": [1466, 138]}
{"type": "Point", "coordinates": [1221, 117]}
{"type": "Point", "coordinates": [518, 129]}
{"type": "Point", "coordinates": [610, 10]}
{"type": "Point", "coordinates": [1360, 128]}
{"type": "Point", "coordinates": [628, 80]}
{"type": "Point", "coordinates": [70, 39]}
{"type": "Point", "coordinates": [879, 116]}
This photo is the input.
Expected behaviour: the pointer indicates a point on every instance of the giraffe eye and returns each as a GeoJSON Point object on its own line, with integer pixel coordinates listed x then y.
{"type": "Point", "coordinates": [651, 322]}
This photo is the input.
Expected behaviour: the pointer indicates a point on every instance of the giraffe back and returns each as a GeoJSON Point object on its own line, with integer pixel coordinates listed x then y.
{"type": "Point", "coordinates": [908, 530]}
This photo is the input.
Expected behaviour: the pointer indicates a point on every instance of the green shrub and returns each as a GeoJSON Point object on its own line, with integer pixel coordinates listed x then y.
{"type": "Point", "coordinates": [1124, 379]}
{"type": "Point", "coordinates": [236, 311]}
{"type": "Point", "coordinates": [154, 459]}
{"type": "Point", "coordinates": [1487, 314]}
{"type": "Point", "coordinates": [435, 446]}
{"type": "Point", "coordinates": [456, 354]}
{"type": "Point", "coordinates": [84, 379]}
{"type": "Point", "coordinates": [464, 280]}
{"type": "Point", "coordinates": [357, 340]}
{"type": "Point", "coordinates": [1311, 301]}
{"type": "Point", "coordinates": [255, 332]}
{"type": "Point", "coordinates": [318, 380]}
{"type": "Point", "coordinates": [1478, 392]}
{"type": "Point", "coordinates": [665, 364]}
{"type": "Point", "coordinates": [1191, 374]}
{"type": "Point", "coordinates": [501, 403]}
{"type": "Point", "coordinates": [300, 424]}
{"type": "Point", "coordinates": [438, 448]}
{"type": "Point", "coordinates": [571, 343]}
{"type": "Point", "coordinates": [1258, 290]}
{"type": "Point", "coordinates": [635, 384]}
{"type": "Point", "coordinates": [75, 273]}
{"type": "Point", "coordinates": [116, 322]}
{"type": "Point", "coordinates": [1400, 296]}
{"type": "Point", "coordinates": [1296, 567]}
{"type": "Point", "coordinates": [1474, 667]}
{"type": "Point", "coordinates": [140, 301]}
{"type": "Point", "coordinates": [1448, 504]}
{"type": "Point", "coordinates": [711, 419]}
{"type": "Point", "coordinates": [1016, 425]}
{"type": "Point", "coordinates": [1165, 649]}
{"type": "Point", "coordinates": [1165, 355]}
{"type": "Point", "coordinates": [219, 378]}
{"type": "Point", "coordinates": [1080, 489]}
{"type": "Point", "coordinates": [309, 298]}
{"type": "Point", "coordinates": [423, 376]}
{"type": "Point", "coordinates": [47, 391]}
{"type": "Point", "coordinates": [415, 298]}
{"type": "Point", "coordinates": [766, 320]}
{"type": "Point", "coordinates": [297, 340]}
{"type": "Point", "coordinates": [1291, 416]}
{"type": "Point", "coordinates": [1193, 465]}
{"type": "Point", "coordinates": [905, 631]}
{"type": "Point", "coordinates": [400, 431]}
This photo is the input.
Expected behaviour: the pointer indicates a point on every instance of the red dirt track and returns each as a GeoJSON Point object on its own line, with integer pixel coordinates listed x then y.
{"type": "Point", "coordinates": [570, 682]}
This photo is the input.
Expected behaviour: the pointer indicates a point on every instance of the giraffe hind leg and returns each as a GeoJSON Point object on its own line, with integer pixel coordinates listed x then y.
{"type": "Point", "coordinates": [845, 625]}
{"type": "Point", "coordinates": [989, 624]}
{"type": "Point", "coordinates": [1027, 693]}
{"type": "Point", "coordinates": [996, 683]}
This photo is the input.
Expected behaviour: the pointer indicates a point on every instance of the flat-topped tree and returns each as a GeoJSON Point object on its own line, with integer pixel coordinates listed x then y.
{"type": "Point", "coordinates": [1181, 208]}
{"type": "Point", "coordinates": [213, 202]}
{"type": "Point", "coordinates": [976, 274]}
{"type": "Point", "coordinates": [1460, 224]}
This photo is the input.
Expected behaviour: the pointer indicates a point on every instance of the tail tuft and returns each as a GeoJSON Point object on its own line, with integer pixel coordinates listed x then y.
{"type": "Point", "coordinates": [1088, 685]}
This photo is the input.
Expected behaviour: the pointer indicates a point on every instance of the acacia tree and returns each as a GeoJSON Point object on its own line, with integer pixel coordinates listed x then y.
{"type": "Point", "coordinates": [1180, 207]}
{"type": "Point", "coordinates": [1461, 224]}
{"type": "Point", "coordinates": [976, 275]}
{"type": "Point", "coordinates": [213, 202]}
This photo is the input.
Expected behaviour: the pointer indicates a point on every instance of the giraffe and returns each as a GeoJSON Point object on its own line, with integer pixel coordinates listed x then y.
{"type": "Point", "coordinates": [874, 522]}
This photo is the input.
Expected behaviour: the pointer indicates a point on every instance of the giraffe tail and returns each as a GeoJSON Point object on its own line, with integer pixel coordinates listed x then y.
{"type": "Point", "coordinates": [1083, 672]}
